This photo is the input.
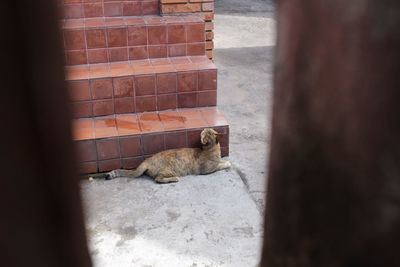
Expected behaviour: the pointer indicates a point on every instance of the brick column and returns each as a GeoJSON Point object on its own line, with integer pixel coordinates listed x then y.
{"type": "Point", "coordinates": [204, 8]}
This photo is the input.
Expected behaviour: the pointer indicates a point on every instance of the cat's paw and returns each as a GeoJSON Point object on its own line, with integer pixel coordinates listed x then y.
{"type": "Point", "coordinates": [224, 165]}
{"type": "Point", "coordinates": [113, 174]}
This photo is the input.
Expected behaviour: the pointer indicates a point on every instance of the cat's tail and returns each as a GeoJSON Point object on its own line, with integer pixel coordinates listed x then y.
{"type": "Point", "coordinates": [127, 173]}
{"type": "Point", "coordinates": [139, 170]}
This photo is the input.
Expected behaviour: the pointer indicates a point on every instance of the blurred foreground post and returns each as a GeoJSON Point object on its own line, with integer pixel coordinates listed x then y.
{"type": "Point", "coordinates": [334, 181]}
{"type": "Point", "coordinates": [41, 216]}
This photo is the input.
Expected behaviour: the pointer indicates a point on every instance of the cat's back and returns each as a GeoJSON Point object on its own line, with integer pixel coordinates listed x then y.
{"type": "Point", "coordinates": [182, 161]}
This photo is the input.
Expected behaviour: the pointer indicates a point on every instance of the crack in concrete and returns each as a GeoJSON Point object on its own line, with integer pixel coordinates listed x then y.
{"type": "Point", "coordinates": [243, 177]}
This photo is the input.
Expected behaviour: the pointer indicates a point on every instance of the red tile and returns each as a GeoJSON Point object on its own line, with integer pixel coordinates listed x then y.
{"type": "Point", "coordinates": [150, 122]}
{"type": "Point", "coordinates": [81, 109]}
{"type": "Point", "coordinates": [207, 98]}
{"type": "Point", "coordinates": [86, 150]}
{"type": "Point", "coordinates": [114, 22]}
{"type": "Point", "coordinates": [96, 38]}
{"type": "Point", "coordinates": [143, 70]}
{"type": "Point", "coordinates": [224, 151]}
{"type": "Point", "coordinates": [175, 140]}
{"type": "Point", "coordinates": [103, 107]}
{"type": "Point", "coordinates": [193, 138]}
{"type": "Point", "coordinates": [143, 62]}
{"type": "Point", "coordinates": [166, 83]}
{"type": "Point", "coordinates": [186, 67]}
{"type": "Point", "coordinates": [101, 88]}
{"type": "Point", "coordinates": [93, 10]}
{"type": "Point", "coordinates": [97, 56]}
{"type": "Point", "coordinates": [124, 105]}
{"type": "Point", "coordinates": [113, 9]}
{"type": "Point", "coordinates": [95, 23]}
{"type": "Point", "coordinates": [154, 20]}
{"type": "Point", "coordinates": [121, 69]}
{"type": "Point", "coordinates": [163, 69]}
{"type": "Point", "coordinates": [137, 35]}
{"type": "Point", "coordinates": [76, 57]}
{"type": "Point", "coordinates": [71, 1]}
{"type": "Point", "coordinates": [82, 129]}
{"type": "Point", "coordinates": [145, 85]}
{"type": "Point", "coordinates": [138, 52]}
{"type": "Point", "coordinates": [157, 51]}
{"type": "Point", "coordinates": [196, 49]}
{"type": "Point", "coordinates": [207, 80]}
{"type": "Point", "coordinates": [107, 149]}
{"type": "Point", "coordinates": [109, 165]}
{"type": "Point", "coordinates": [99, 70]}
{"type": "Point", "coordinates": [223, 138]}
{"type": "Point", "coordinates": [105, 127]}
{"type": "Point", "coordinates": [171, 120]}
{"type": "Point", "coordinates": [132, 8]}
{"type": "Point", "coordinates": [177, 50]}
{"type": "Point", "coordinates": [187, 81]}
{"type": "Point", "coordinates": [195, 32]}
{"type": "Point", "coordinates": [127, 124]}
{"type": "Point", "coordinates": [131, 163]}
{"type": "Point", "coordinates": [80, 72]}
{"type": "Point", "coordinates": [190, 113]}
{"type": "Point", "coordinates": [209, 111]}
{"type": "Point", "coordinates": [74, 39]}
{"type": "Point", "coordinates": [88, 167]}
{"type": "Point", "coordinates": [118, 54]}
{"type": "Point", "coordinates": [130, 146]}
{"type": "Point", "coordinates": [73, 11]}
{"type": "Point", "coordinates": [180, 60]}
{"type": "Point", "coordinates": [134, 21]}
{"type": "Point", "coordinates": [146, 103]}
{"type": "Point", "coordinates": [160, 62]}
{"type": "Point", "coordinates": [79, 90]}
{"type": "Point", "coordinates": [176, 34]}
{"type": "Point", "coordinates": [173, 19]}
{"type": "Point", "coordinates": [213, 117]}
{"type": "Point", "coordinates": [193, 118]}
{"type": "Point", "coordinates": [150, 7]}
{"type": "Point", "coordinates": [165, 102]}
{"type": "Point", "coordinates": [74, 24]}
{"type": "Point", "coordinates": [206, 66]}
{"type": "Point", "coordinates": [123, 87]}
{"type": "Point", "coordinates": [116, 37]}
{"type": "Point", "coordinates": [157, 35]}
{"type": "Point", "coordinates": [187, 100]}
{"type": "Point", "coordinates": [199, 59]}
{"type": "Point", "coordinates": [153, 143]}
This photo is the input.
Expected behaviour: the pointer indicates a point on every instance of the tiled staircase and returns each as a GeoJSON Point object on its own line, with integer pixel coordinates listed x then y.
{"type": "Point", "coordinates": [139, 83]}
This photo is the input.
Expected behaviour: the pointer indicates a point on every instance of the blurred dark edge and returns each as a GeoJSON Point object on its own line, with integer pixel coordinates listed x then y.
{"type": "Point", "coordinates": [41, 214]}
{"type": "Point", "coordinates": [334, 180]}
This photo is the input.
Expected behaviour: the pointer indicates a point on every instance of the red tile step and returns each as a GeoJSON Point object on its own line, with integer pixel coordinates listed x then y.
{"type": "Point", "coordinates": [142, 86]}
{"type": "Point", "coordinates": [124, 141]}
{"type": "Point", "coordinates": [74, 9]}
{"type": "Point", "coordinates": [103, 40]}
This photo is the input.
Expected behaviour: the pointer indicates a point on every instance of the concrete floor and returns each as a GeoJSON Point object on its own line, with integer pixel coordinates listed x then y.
{"type": "Point", "coordinates": [212, 220]}
{"type": "Point", "coordinates": [244, 42]}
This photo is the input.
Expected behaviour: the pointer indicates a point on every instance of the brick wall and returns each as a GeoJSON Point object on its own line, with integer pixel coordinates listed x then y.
{"type": "Point", "coordinates": [205, 9]}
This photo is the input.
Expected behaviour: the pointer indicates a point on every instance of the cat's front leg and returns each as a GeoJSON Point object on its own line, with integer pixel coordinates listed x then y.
{"type": "Point", "coordinates": [223, 164]}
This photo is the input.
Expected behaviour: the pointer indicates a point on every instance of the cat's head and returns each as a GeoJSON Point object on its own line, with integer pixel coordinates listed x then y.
{"type": "Point", "coordinates": [209, 137]}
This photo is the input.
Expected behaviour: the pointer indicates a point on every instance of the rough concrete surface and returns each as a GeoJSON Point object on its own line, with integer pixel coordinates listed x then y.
{"type": "Point", "coordinates": [211, 220]}
{"type": "Point", "coordinates": [244, 44]}
{"type": "Point", "coordinates": [200, 221]}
